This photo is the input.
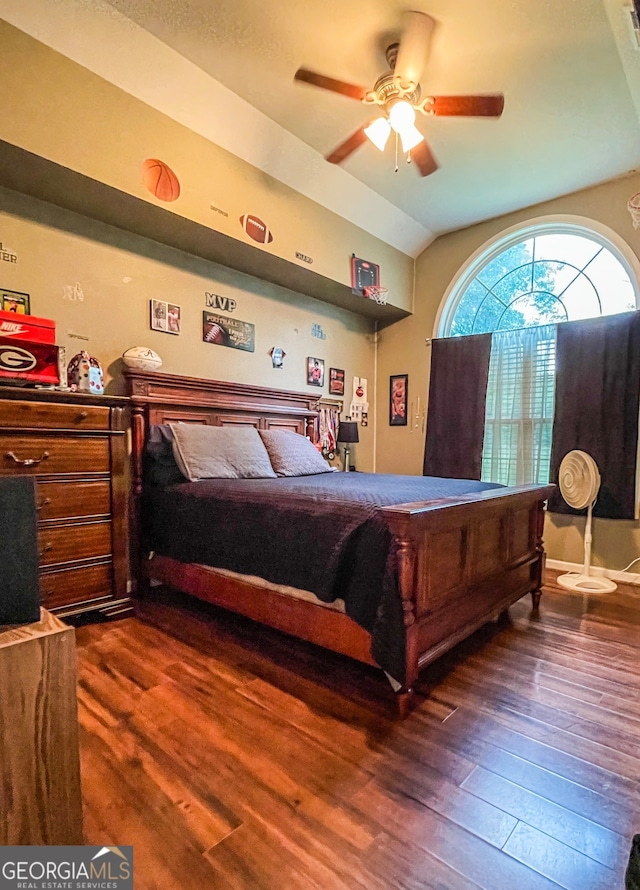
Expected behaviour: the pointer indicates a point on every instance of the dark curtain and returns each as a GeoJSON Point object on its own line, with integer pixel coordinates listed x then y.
{"type": "Point", "coordinates": [596, 406]}
{"type": "Point", "coordinates": [457, 395]}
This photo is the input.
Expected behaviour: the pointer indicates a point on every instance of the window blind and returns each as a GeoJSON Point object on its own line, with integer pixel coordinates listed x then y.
{"type": "Point", "coordinates": [519, 406]}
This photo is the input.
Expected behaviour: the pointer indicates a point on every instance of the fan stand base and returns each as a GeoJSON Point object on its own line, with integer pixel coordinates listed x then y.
{"type": "Point", "coordinates": [586, 583]}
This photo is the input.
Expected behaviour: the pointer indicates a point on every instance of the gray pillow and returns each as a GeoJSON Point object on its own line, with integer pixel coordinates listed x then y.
{"type": "Point", "coordinates": [219, 452]}
{"type": "Point", "coordinates": [293, 455]}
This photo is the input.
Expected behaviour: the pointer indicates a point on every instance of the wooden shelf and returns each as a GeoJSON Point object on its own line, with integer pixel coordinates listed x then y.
{"type": "Point", "coordinates": [30, 174]}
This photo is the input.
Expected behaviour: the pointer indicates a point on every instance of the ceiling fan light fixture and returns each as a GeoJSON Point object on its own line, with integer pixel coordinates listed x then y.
{"type": "Point", "coordinates": [378, 132]}
{"type": "Point", "coordinates": [410, 137]}
{"type": "Point", "coordinates": [397, 96]}
{"type": "Point", "coordinates": [401, 116]}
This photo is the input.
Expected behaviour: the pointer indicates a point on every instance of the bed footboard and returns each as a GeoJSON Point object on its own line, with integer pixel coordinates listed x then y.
{"type": "Point", "coordinates": [461, 563]}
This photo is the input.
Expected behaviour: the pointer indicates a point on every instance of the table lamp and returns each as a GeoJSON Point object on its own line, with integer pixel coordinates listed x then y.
{"type": "Point", "coordinates": [348, 435]}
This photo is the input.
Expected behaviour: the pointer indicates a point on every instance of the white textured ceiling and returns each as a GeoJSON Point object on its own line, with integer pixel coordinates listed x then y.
{"type": "Point", "coordinates": [568, 69]}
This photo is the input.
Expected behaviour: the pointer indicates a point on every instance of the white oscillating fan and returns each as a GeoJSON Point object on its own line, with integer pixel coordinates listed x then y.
{"type": "Point", "coordinates": [579, 481]}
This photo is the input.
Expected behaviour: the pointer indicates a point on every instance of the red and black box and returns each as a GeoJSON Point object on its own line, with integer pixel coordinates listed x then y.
{"type": "Point", "coordinates": [24, 362]}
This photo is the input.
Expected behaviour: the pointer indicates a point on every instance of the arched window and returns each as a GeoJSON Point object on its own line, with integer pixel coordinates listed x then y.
{"type": "Point", "coordinates": [519, 287]}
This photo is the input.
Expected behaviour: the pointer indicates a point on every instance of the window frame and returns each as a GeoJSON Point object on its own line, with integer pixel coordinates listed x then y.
{"type": "Point", "coordinates": [543, 225]}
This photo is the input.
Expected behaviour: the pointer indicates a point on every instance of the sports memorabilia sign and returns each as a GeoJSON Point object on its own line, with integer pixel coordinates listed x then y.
{"type": "Point", "coordinates": [225, 331]}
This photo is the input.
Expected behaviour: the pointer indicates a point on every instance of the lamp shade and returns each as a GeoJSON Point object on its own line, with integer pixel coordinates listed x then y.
{"type": "Point", "coordinates": [348, 431]}
{"type": "Point", "coordinates": [410, 137]}
{"type": "Point", "coordinates": [378, 132]}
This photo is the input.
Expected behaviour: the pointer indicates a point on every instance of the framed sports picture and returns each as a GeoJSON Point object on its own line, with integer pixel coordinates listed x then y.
{"type": "Point", "coordinates": [315, 371]}
{"type": "Point", "coordinates": [165, 317]}
{"type": "Point", "coordinates": [173, 318]}
{"type": "Point", "coordinates": [336, 382]}
{"type": "Point", "coordinates": [398, 394]}
{"type": "Point", "coordinates": [158, 315]}
{"type": "Point", "coordinates": [13, 301]}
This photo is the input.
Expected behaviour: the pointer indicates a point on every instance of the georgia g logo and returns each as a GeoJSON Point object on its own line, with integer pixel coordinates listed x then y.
{"type": "Point", "coordinates": [12, 358]}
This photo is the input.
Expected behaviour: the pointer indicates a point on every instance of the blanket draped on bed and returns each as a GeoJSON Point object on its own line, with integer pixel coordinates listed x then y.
{"type": "Point", "coordinates": [632, 876]}
{"type": "Point", "coordinates": [321, 533]}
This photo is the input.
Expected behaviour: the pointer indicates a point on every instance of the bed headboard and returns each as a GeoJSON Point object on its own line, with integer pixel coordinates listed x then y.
{"type": "Point", "coordinates": [171, 398]}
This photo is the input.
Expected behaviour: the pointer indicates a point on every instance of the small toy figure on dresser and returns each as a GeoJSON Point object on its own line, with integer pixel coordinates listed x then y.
{"type": "Point", "coordinates": [84, 374]}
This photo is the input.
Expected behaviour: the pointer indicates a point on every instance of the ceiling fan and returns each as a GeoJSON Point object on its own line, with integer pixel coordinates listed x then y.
{"type": "Point", "coordinates": [397, 96]}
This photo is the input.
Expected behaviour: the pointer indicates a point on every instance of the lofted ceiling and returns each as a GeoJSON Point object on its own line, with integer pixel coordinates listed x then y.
{"type": "Point", "coordinates": [569, 70]}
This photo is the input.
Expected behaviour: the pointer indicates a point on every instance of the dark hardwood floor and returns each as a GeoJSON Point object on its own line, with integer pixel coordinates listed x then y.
{"type": "Point", "coordinates": [231, 756]}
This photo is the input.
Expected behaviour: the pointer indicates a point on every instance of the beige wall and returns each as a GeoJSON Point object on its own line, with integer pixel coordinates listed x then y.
{"type": "Point", "coordinates": [119, 273]}
{"type": "Point", "coordinates": [402, 349]}
{"type": "Point", "coordinates": [94, 128]}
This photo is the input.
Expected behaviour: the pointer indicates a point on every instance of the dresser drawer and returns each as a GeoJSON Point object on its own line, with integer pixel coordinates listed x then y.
{"type": "Point", "coordinates": [71, 586]}
{"type": "Point", "coordinates": [66, 500]}
{"type": "Point", "coordinates": [41, 414]}
{"type": "Point", "coordinates": [67, 543]}
{"type": "Point", "coordinates": [52, 454]}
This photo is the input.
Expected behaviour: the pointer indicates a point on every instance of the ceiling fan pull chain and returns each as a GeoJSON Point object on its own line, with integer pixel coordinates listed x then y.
{"type": "Point", "coordinates": [396, 170]}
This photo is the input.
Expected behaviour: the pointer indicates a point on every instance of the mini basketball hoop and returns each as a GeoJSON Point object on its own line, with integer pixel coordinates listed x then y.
{"type": "Point", "coordinates": [633, 206]}
{"type": "Point", "coordinates": [379, 294]}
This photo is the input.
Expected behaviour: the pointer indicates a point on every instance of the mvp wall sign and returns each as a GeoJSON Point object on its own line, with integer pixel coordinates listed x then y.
{"type": "Point", "coordinates": [217, 301]}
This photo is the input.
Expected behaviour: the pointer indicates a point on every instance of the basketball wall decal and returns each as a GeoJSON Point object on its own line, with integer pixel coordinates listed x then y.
{"type": "Point", "coordinates": [160, 179]}
{"type": "Point", "coordinates": [255, 228]}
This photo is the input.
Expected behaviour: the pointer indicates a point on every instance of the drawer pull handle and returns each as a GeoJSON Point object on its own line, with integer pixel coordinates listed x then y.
{"type": "Point", "coordinates": [47, 547]}
{"type": "Point", "coordinates": [27, 461]}
{"type": "Point", "coordinates": [44, 503]}
{"type": "Point", "coordinates": [83, 415]}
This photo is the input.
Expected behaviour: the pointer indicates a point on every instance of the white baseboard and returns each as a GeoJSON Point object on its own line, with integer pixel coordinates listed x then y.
{"type": "Point", "coordinates": [596, 571]}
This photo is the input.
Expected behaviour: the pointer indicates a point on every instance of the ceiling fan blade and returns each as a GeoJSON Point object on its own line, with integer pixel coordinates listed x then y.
{"type": "Point", "coordinates": [465, 106]}
{"type": "Point", "coordinates": [329, 83]}
{"type": "Point", "coordinates": [342, 151]}
{"type": "Point", "coordinates": [414, 46]}
{"type": "Point", "coordinates": [423, 158]}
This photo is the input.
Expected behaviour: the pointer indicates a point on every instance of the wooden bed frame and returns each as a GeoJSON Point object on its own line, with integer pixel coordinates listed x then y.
{"type": "Point", "coordinates": [462, 561]}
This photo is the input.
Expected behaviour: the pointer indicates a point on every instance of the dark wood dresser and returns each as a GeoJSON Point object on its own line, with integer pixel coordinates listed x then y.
{"type": "Point", "coordinates": [75, 445]}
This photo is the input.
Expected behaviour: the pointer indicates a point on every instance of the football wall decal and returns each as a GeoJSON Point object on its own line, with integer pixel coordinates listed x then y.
{"type": "Point", "coordinates": [255, 228]}
{"type": "Point", "coordinates": [160, 179]}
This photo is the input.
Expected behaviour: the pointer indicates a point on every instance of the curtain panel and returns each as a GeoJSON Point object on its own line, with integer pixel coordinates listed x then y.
{"type": "Point", "coordinates": [597, 403]}
{"type": "Point", "coordinates": [456, 416]}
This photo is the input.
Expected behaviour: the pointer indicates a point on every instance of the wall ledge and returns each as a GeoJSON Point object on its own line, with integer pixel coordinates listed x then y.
{"type": "Point", "coordinates": [30, 174]}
